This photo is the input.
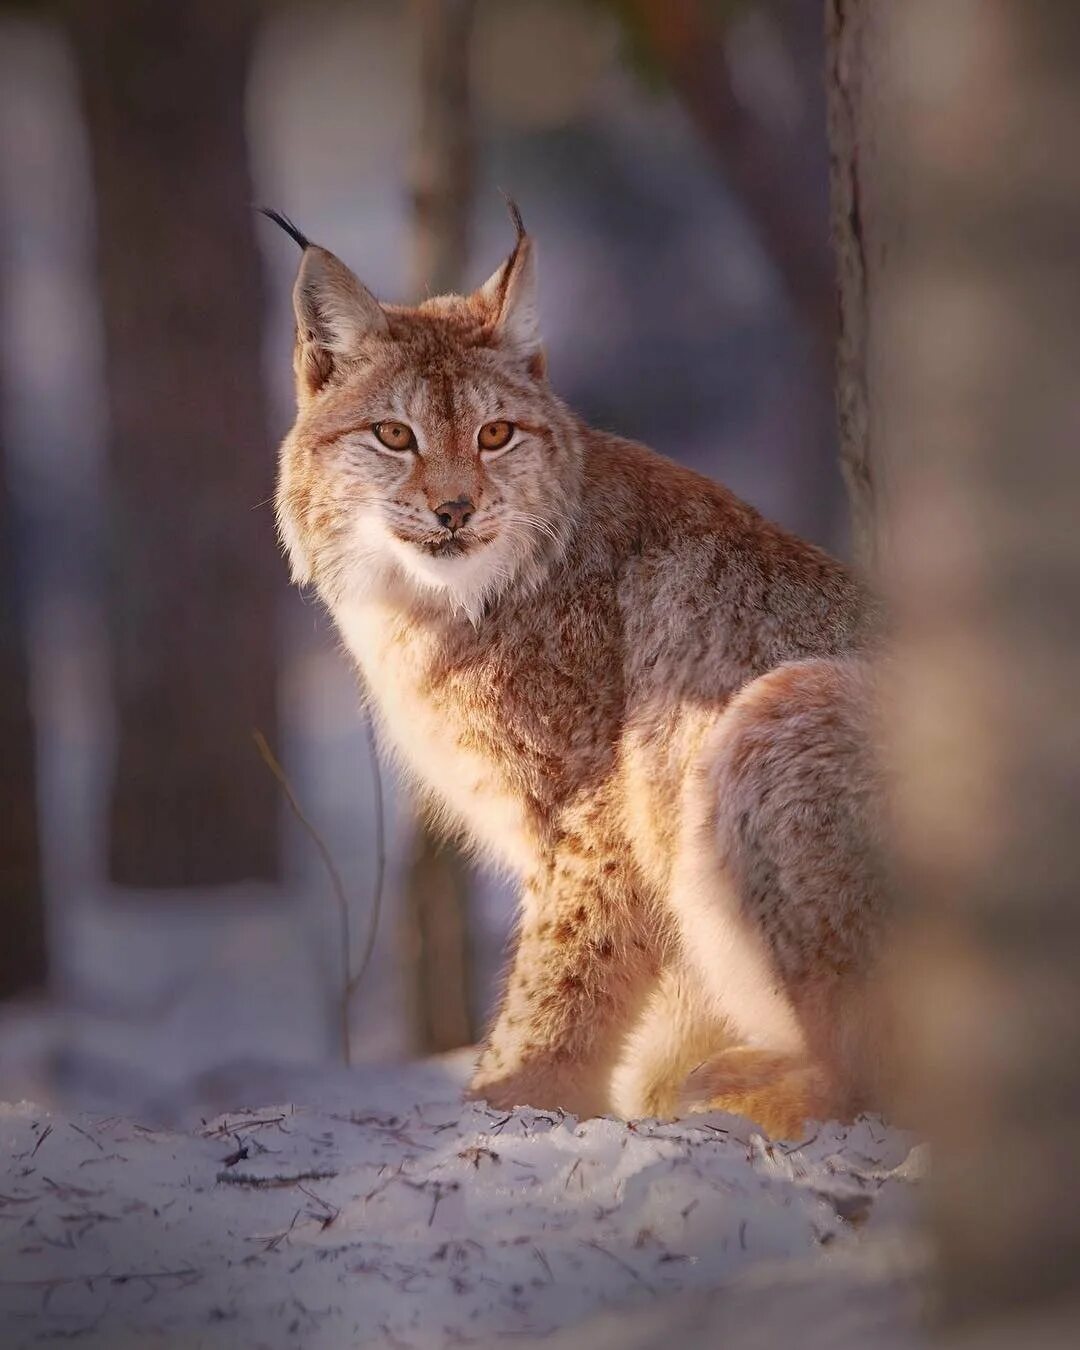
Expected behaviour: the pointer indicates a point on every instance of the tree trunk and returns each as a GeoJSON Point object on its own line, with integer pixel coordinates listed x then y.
{"type": "Point", "coordinates": [443, 152]}
{"type": "Point", "coordinates": [436, 899]}
{"type": "Point", "coordinates": [855, 66]}
{"type": "Point", "coordinates": [22, 950]}
{"type": "Point", "coordinates": [974, 409]}
{"type": "Point", "coordinates": [766, 168]}
{"type": "Point", "coordinates": [193, 566]}
{"type": "Point", "coordinates": [437, 945]}
{"type": "Point", "coordinates": [775, 168]}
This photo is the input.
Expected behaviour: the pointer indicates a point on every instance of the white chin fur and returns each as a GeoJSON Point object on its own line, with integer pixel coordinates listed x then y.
{"type": "Point", "coordinates": [466, 580]}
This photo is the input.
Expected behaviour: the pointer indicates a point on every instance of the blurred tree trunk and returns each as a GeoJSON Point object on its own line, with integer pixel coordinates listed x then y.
{"type": "Point", "coordinates": [22, 950]}
{"type": "Point", "coordinates": [436, 897]}
{"type": "Point", "coordinates": [442, 169]}
{"type": "Point", "coordinates": [439, 967]}
{"type": "Point", "coordinates": [772, 154]}
{"type": "Point", "coordinates": [977, 414]}
{"type": "Point", "coordinates": [194, 568]}
{"type": "Point", "coordinates": [766, 164]}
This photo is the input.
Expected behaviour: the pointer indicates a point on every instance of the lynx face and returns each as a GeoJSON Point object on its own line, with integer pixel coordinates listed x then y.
{"type": "Point", "coordinates": [428, 449]}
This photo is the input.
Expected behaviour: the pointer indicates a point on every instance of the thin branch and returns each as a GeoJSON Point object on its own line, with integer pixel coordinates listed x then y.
{"type": "Point", "coordinates": [380, 859]}
{"type": "Point", "coordinates": [349, 982]}
{"type": "Point", "coordinates": [271, 762]}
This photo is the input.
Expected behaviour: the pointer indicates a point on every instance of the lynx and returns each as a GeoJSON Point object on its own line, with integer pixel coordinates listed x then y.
{"type": "Point", "coordinates": [615, 680]}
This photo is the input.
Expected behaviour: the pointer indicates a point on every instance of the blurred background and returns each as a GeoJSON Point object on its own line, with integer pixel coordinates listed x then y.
{"type": "Point", "coordinates": [168, 922]}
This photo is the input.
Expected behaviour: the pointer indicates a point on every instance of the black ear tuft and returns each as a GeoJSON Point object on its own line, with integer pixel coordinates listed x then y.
{"type": "Point", "coordinates": [515, 216]}
{"type": "Point", "coordinates": [286, 224]}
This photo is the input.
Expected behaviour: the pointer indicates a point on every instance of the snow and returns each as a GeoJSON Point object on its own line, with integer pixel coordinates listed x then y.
{"type": "Point", "coordinates": [385, 1212]}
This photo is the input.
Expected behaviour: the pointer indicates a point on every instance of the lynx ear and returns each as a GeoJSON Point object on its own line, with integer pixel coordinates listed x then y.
{"type": "Point", "coordinates": [334, 312]}
{"type": "Point", "coordinates": [510, 297]}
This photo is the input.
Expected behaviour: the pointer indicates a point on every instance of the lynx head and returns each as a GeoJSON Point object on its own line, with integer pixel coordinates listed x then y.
{"type": "Point", "coordinates": [429, 452]}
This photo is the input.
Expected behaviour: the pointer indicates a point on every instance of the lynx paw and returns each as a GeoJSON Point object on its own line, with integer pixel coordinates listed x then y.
{"type": "Point", "coordinates": [780, 1093]}
{"type": "Point", "coordinates": [504, 1091]}
{"type": "Point", "coordinates": [539, 1087]}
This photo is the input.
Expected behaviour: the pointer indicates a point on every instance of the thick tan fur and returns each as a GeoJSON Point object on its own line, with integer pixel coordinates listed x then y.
{"type": "Point", "coordinates": [620, 683]}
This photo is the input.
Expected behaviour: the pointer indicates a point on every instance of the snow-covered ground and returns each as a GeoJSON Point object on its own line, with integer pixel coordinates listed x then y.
{"type": "Point", "coordinates": [389, 1214]}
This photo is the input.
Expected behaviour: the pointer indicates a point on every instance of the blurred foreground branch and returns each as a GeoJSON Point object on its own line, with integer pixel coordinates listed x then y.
{"type": "Point", "coordinates": [978, 413]}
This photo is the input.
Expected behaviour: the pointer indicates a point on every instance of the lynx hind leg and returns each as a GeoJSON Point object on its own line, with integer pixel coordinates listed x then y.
{"type": "Point", "coordinates": [675, 1031]}
{"type": "Point", "coordinates": [776, 889]}
{"type": "Point", "coordinates": [780, 1092]}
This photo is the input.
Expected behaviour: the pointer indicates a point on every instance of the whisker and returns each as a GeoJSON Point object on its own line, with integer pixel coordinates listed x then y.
{"type": "Point", "coordinates": [536, 522]}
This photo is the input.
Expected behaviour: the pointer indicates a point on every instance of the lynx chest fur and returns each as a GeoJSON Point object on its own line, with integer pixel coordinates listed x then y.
{"type": "Point", "coordinates": [502, 728]}
{"type": "Point", "coordinates": [437, 729]}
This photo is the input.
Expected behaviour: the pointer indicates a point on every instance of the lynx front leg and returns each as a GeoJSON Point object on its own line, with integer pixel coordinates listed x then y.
{"type": "Point", "coordinates": [675, 1032]}
{"type": "Point", "coordinates": [582, 968]}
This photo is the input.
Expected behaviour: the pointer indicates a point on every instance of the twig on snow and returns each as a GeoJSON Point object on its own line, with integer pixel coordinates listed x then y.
{"type": "Point", "coordinates": [41, 1139]}
{"type": "Point", "coordinates": [78, 1130]}
{"type": "Point", "coordinates": [331, 1211]}
{"type": "Point", "coordinates": [278, 1238]}
{"type": "Point", "coordinates": [274, 1178]}
{"type": "Point", "coordinates": [591, 1242]}
{"type": "Point", "coordinates": [239, 1154]}
{"type": "Point", "coordinates": [230, 1129]}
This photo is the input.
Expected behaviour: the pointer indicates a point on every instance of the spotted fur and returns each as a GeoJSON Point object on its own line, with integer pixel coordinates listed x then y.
{"type": "Point", "coordinates": [618, 682]}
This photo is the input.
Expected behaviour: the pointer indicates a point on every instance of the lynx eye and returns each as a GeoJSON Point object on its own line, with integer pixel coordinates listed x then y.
{"type": "Point", "coordinates": [494, 435]}
{"type": "Point", "coordinates": [395, 435]}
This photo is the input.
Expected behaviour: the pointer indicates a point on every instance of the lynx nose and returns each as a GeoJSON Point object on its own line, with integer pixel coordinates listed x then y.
{"type": "Point", "coordinates": [453, 515]}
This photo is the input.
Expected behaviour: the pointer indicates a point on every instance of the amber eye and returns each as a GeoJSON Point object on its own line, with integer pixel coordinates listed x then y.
{"type": "Point", "coordinates": [395, 435]}
{"type": "Point", "coordinates": [494, 435]}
